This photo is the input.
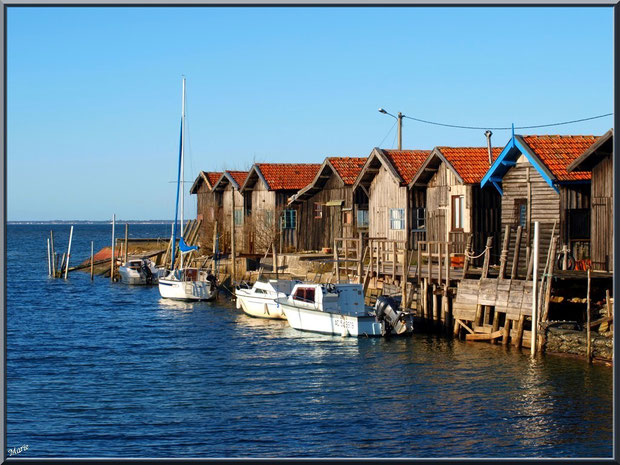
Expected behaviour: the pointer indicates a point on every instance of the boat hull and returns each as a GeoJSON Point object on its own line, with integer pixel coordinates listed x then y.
{"type": "Point", "coordinates": [258, 307]}
{"type": "Point", "coordinates": [317, 321]}
{"type": "Point", "coordinates": [187, 290]}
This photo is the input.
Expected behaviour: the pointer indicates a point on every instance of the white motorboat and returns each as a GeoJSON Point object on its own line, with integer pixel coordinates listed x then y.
{"type": "Point", "coordinates": [339, 309]}
{"type": "Point", "coordinates": [140, 271]}
{"type": "Point", "coordinates": [259, 300]}
{"type": "Point", "coordinates": [185, 283]}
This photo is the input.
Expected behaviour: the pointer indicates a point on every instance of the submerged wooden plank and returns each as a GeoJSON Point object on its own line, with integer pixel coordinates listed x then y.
{"type": "Point", "coordinates": [483, 337]}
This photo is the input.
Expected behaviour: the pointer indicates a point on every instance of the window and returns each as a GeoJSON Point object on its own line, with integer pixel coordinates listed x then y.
{"type": "Point", "coordinates": [521, 213]}
{"type": "Point", "coordinates": [318, 210]}
{"type": "Point", "coordinates": [268, 218]}
{"type": "Point", "coordinates": [289, 219]}
{"type": "Point", "coordinates": [347, 217]}
{"type": "Point", "coordinates": [238, 216]}
{"type": "Point", "coordinates": [397, 218]}
{"type": "Point", "coordinates": [362, 218]}
{"type": "Point", "coordinates": [458, 212]}
{"type": "Point", "coordinates": [304, 294]}
{"type": "Point", "coordinates": [420, 218]}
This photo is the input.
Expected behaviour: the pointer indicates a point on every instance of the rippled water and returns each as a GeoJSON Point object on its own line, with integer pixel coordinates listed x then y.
{"type": "Point", "coordinates": [100, 369]}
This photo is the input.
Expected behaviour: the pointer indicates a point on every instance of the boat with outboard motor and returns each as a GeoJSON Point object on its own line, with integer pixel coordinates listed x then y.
{"type": "Point", "coordinates": [340, 309]}
{"type": "Point", "coordinates": [259, 300]}
{"type": "Point", "coordinates": [140, 271]}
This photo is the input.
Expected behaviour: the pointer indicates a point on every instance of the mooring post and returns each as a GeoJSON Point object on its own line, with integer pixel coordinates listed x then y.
{"type": "Point", "coordinates": [515, 260]}
{"type": "Point", "coordinates": [588, 329]}
{"type": "Point", "coordinates": [233, 250]}
{"type": "Point", "coordinates": [274, 258]}
{"type": "Point", "coordinates": [126, 240]}
{"type": "Point", "coordinates": [53, 254]}
{"type": "Point", "coordinates": [92, 256]}
{"type": "Point", "coordinates": [504, 255]}
{"type": "Point", "coordinates": [49, 258]}
{"type": "Point", "coordinates": [213, 270]}
{"type": "Point", "coordinates": [534, 291]}
{"type": "Point", "coordinates": [69, 252]}
{"type": "Point", "coordinates": [113, 257]}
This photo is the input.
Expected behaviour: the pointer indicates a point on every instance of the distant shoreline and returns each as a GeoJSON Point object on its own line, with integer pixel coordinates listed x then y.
{"type": "Point", "coordinates": [92, 222]}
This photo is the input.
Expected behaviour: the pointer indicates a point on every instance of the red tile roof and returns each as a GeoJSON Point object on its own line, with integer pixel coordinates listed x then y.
{"type": "Point", "coordinates": [288, 176]}
{"type": "Point", "coordinates": [557, 152]}
{"type": "Point", "coordinates": [471, 163]}
{"type": "Point", "coordinates": [348, 167]}
{"type": "Point", "coordinates": [238, 176]}
{"type": "Point", "coordinates": [213, 176]}
{"type": "Point", "coordinates": [407, 162]}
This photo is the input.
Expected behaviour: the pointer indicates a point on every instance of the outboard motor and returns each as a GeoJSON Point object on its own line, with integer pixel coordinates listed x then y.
{"type": "Point", "coordinates": [148, 275]}
{"type": "Point", "coordinates": [386, 310]}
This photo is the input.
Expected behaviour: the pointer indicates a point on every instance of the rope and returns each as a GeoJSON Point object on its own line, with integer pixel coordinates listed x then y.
{"type": "Point", "coordinates": [470, 256]}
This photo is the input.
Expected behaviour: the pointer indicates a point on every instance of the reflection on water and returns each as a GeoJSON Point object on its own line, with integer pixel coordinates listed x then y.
{"type": "Point", "coordinates": [116, 371]}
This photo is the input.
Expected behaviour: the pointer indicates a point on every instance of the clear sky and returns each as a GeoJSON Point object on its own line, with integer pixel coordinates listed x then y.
{"type": "Point", "coordinates": [94, 94]}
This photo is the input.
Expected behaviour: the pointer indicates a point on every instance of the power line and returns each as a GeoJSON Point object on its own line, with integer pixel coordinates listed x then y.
{"type": "Point", "coordinates": [506, 128]}
{"type": "Point", "coordinates": [381, 143]}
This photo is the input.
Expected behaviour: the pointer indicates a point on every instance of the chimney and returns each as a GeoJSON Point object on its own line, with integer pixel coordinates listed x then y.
{"type": "Point", "coordinates": [488, 134]}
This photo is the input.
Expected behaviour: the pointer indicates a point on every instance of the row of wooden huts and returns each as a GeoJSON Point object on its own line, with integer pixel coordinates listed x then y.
{"type": "Point", "coordinates": [565, 182]}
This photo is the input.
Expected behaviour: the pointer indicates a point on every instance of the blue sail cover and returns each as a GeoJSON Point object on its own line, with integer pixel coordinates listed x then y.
{"type": "Point", "coordinates": [184, 248]}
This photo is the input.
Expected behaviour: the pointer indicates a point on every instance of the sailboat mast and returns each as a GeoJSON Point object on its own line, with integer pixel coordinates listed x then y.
{"type": "Point", "coordinates": [182, 161]}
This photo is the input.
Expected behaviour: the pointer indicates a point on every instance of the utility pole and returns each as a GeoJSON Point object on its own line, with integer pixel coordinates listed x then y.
{"type": "Point", "coordinates": [400, 131]}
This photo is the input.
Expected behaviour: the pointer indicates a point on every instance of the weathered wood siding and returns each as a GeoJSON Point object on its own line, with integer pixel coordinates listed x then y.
{"type": "Point", "coordinates": [208, 212]}
{"type": "Point", "coordinates": [316, 233]}
{"type": "Point", "coordinates": [439, 192]}
{"type": "Point", "coordinates": [385, 193]}
{"type": "Point", "coordinates": [486, 219]}
{"type": "Point", "coordinates": [602, 244]}
{"type": "Point", "coordinates": [226, 219]}
{"type": "Point", "coordinates": [261, 224]}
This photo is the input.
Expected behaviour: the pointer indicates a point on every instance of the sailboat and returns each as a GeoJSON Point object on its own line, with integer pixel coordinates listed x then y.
{"type": "Point", "coordinates": [184, 283]}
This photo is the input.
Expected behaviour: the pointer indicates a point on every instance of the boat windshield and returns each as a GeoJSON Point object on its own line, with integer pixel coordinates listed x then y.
{"type": "Point", "coordinates": [304, 294]}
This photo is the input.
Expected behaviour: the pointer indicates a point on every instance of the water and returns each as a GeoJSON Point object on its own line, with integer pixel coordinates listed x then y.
{"type": "Point", "coordinates": [100, 369]}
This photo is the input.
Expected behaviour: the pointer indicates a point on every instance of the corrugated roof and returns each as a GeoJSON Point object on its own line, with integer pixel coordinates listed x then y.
{"type": "Point", "coordinates": [288, 176]}
{"type": "Point", "coordinates": [557, 152]}
{"type": "Point", "coordinates": [471, 163]}
{"type": "Point", "coordinates": [406, 162]}
{"type": "Point", "coordinates": [348, 167]}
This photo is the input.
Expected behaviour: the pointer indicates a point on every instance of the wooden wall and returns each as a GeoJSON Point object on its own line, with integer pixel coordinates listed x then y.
{"type": "Point", "coordinates": [226, 213]}
{"type": "Point", "coordinates": [439, 191]}
{"type": "Point", "coordinates": [316, 233]}
{"type": "Point", "coordinates": [601, 223]}
{"type": "Point", "coordinates": [207, 210]}
{"type": "Point", "coordinates": [386, 193]}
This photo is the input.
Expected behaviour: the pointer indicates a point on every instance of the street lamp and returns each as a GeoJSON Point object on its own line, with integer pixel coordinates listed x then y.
{"type": "Point", "coordinates": [399, 118]}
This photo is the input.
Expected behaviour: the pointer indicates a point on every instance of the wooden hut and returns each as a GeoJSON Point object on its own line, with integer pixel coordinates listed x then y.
{"type": "Point", "coordinates": [530, 175]}
{"type": "Point", "coordinates": [325, 208]}
{"type": "Point", "coordinates": [266, 191]}
{"type": "Point", "coordinates": [207, 208]}
{"type": "Point", "coordinates": [384, 180]}
{"type": "Point", "coordinates": [225, 192]}
{"type": "Point", "coordinates": [448, 201]}
{"type": "Point", "coordinates": [598, 159]}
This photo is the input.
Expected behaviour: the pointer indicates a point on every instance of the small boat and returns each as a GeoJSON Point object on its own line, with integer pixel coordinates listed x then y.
{"type": "Point", "coordinates": [138, 271]}
{"type": "Point", "coordinates": [339, 309]}
{"type": "Point", "coordinates": [259, 300]}
{"type": "Point", "coordinates": [185, 283]}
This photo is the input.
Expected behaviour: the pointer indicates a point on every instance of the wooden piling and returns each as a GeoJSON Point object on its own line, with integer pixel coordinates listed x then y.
{"type": "Point", "coordinates": [608, 303]}
{"type": "Point", "coordinates": [49, 259]}
{"type": "Point", "coordinates": [549, 279]}
{"type": "Point", "coordinates": [126, 240]}
{"type": "Point", "coordinates": [534, 259]}
{"type": "Point", "coordinates": [53, 253]}
{"type": "Point", "coordinates": [394, 261]}
{"type": "Point", "coordinates": [275, 258]}
{"type": "Point", "coordinates": [564, 257]}
{"type": "Point", "coordinates": [233, 250]}
{"type": "Point", "coordinates": [418, 267]}
{"type": "Point", "coordinates": [336, 262]}
{"type": "Point", "coordinates": [92, 260]}
{"type": "Point", "coordinates": [113, 259]}
{"type": "Point", "coordinates": [466, 259]}
{"type": "Point", "coordinates": [69, 252]}
{"type": "Point", "coordinates": [504, 255]}
{"type": "Point", "coordinates": [213, 270]}
{"type": "Point", "coordinates": [588, 329]}
{"type": "Point", "coordinates": [430, 262]}
{"type": "Point", "coordinates": [506, 334]}
{"type": "Point", "coordinates": [487, 257]}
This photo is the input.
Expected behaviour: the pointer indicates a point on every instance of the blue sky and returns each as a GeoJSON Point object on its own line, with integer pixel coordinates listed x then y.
{"type": "Point", "coordinates": [94, 94]}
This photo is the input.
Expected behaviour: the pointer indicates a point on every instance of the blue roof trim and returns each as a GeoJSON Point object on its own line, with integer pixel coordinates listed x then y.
{"type": "Point", "coordinates": [504, 163]}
